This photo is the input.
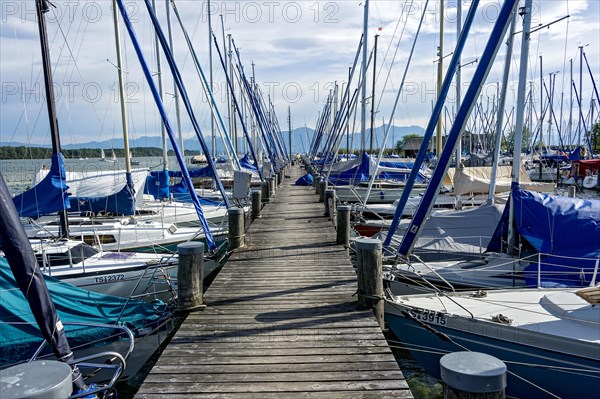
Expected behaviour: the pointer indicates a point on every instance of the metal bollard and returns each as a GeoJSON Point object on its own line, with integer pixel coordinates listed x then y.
{"type": "Point", "coordinates": [370, 276]}
{"type": "Point", "coordinates": [472, 375]}
{"type": "Point", "coordinates": [236, 227]}
{"type": "Point", "coordinates": [343, 225]}
{"type": "Point", "coordinates": [265, 191]}
{"type": "Point", "coordinates": [330, 203]}
{"type": "Point", "coordinates": [189, 276]}
{"type": "Point", "coordinates": [572, 190]}
{"type": "Point", "coordinates": [37, 379]}
{"type": "Point", "coordinates": [255, 196]}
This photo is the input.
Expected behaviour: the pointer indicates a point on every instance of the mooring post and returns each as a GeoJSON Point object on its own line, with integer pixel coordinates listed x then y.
{"type": "Point", "coordinates": [330, 203]}
{"type": "Point", "coordinates": [255, 197]}
{"type": "Point", "coordinates": [236, 227]}
{"type": "Point", "coordinates": [189, 276]}
{"type": "Point", "coordinates": [37, 379]}
{"type": "Point", "coordinates": [265, 191]}
{"type": "Point", "coordinates": [343, 225]}
{"type": "Point", "coordinates": [316, 183]}
{"type": "Point", "coordinates": [572, 190]}
{"type": "Point", "coordinates": [472, 375]}
{"type": "Point", "coordinates": [271, 181]}
{"type": "Point", "coordinates": [322, 188]}
{"type": "Point", "coordinates": [281, 176]}
{"type": "Point", "coordinates": [370, 276]}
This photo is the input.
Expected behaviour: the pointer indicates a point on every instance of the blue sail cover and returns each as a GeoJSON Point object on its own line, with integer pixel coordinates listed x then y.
{"type": "Point", "coordinates": [568, 229]}
{"type": "Point", "coordinates": [157, 184]}
{"type": "Point", "coordinates": [121, 203]}
{"type": "Point", "coordinates": [180, 193]}
{"type": "Point", "coordinates": [245, 163]}
{"type": "Point", "coordinates": [49, 196]}
{"type": "Point", "coordinates": [361, 172]}
{"type": "Point", "coordinates": [19, 335]}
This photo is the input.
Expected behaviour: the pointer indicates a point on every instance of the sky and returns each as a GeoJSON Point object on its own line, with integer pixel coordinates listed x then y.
{"type": "Point", "coordinates": [299, 50]}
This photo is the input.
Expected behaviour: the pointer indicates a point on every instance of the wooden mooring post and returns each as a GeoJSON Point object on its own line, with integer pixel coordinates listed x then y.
{"type": "Point", "coordinates": [322, 189]}
{"type": "Point", "coordinates": [316, 184]}
{"type": "Point", "coordinates": [343, 225]}
{"type": "Point", "coordinates": [473, 375]}
{"type": "Point", "coordinates": [330, 203]}
{"type": "Point", "coordinates": [256, 201]}
{"type": "Point", "coordinates": [265, 191]}
{"type": "Point", "coordinates": [370, 276]}
{"type": "Point", "coordinates": [236, 227]}
{"type": "Point", "coordinates": [189, 276]}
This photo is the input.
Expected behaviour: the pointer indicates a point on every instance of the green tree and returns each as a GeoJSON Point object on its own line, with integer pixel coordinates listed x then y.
{"type": "Point", "coordinates": [405, 139]}
{"type": "Point", "coordinates": [525, 141]}
{"type": "Point", "coordinates": [595, 137]}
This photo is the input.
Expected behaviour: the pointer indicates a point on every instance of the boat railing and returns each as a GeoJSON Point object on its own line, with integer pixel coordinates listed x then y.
{"type": "Point", "coordinates": [576, 270]}
{"type": "Point", "coordinates": [116, 363]}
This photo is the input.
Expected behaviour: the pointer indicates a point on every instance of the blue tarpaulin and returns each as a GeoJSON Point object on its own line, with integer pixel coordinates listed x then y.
{"type": "Point", "coordinates": [157, 184]}
{"type": "Point", "coordinates": [19, 335]}
{"type": "Point", "coordinates": [245, 163]}
{"type": "Point", "coordinates": [566, 231]}
{"type": "Point", "coordinates": [121, 203]}
{"type": "Point", "coordinates": [361, 172]}
{"type": "Point", "coordinates": [306, 180]}
{"type": "Point", "coordinates": [48, 196]}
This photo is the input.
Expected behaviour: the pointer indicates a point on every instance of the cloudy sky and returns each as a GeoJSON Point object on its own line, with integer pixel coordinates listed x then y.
{"type": "Point", "coordinates": [299, 49]}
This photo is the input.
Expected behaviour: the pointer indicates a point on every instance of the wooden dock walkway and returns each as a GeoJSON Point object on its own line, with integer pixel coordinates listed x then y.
{"type": "Point", "coordinates": [281, 320]}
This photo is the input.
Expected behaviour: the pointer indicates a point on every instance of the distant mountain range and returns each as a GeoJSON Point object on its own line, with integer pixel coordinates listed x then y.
{"type": "Point", "coordinates": [301, 139]}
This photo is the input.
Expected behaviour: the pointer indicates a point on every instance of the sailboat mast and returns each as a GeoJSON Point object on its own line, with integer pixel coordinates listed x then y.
{"type": "Point", "coordinates": [210, 73]}
{"type": "Point", "coordinates": [163, 131]}
{"type": "Point", "coordinates": [458, 78]}
{"type": "Point", "coordinates": [175, 90]}
{"type": "Point", "coordinates": [440, 77]}
{"type": "Point", "coordinates": [570, 128]}
{"type": "Point", "coordinates": [121, 88]}
{"type": "Point", "coordinates": [373, 94]}
{"type": "Point", "coordinates": [501, 105]}
{"type": "Point", "coordinates": [525, 12]}
{"type": "Point", "coordinates": [363, 105]}
{"type": "Point", "coordinates": [42, 8]}
{"type": "Point", "coordinates": [541, 108]}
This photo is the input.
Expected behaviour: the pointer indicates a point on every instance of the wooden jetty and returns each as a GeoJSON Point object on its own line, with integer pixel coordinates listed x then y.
{"type": "Point", "coordinates": [281, 320]}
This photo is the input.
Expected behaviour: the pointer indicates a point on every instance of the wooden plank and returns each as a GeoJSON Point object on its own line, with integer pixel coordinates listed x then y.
{"type": "Point", "coordinates": [281, 320]}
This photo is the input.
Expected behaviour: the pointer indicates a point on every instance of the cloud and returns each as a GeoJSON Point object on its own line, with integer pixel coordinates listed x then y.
{"type": "Point", "coordinates": [299, 49]}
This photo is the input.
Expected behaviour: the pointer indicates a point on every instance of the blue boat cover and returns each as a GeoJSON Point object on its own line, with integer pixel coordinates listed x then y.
{"type": "Point", "coordinates": [200, 172]}
{"type": "Point", "coordinates": [361, 172]}
{"type": "Point", "coordinates": [48, 196]}
{"type": "Point", "coordinates": [180, 193]}
{"type": "Point", "coordinates": [566, 231]}
{"type": "Point", "coordinates": [121, 203]}
{"type": "Point", "coordinates": [245, 163]}
{"type": "Point", "coordinates": [19, 335]}
{"type": "Point", "coordinates": [157, 184]}
{"type": "Point", "coordinates": [306, 180]}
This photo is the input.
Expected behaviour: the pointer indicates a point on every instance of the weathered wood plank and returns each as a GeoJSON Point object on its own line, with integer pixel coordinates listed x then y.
{"type": "Point", "coordinates": [281, 320]}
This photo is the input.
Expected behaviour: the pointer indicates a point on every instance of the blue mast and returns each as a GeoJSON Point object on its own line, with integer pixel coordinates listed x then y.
{"type": "Point", "coordinates": [462, 115]}
{"type": "Point", "coordinates": [167, 123]}
{"type": "Point", "coordinates": [433, 120]}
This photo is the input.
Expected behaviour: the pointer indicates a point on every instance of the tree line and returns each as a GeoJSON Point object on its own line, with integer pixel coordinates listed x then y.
{"type": "Point", "coordinates": [23, 152]}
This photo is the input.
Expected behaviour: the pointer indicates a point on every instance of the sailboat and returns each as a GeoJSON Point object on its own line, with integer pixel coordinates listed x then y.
{"type": "Point", "coordinates": [103, 158]}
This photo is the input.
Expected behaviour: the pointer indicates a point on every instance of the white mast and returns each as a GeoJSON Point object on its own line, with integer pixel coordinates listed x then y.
{"type": "Point", "coordinates": [121, 90]}
{"type": "Point", "coordinates": [363, 106]}
{"type": "Point", "coordinates": [525, 12]}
